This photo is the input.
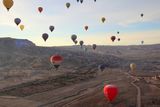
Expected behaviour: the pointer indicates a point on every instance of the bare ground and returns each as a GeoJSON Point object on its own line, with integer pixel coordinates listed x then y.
{"type": "Point", "coordinates": [89, 93]}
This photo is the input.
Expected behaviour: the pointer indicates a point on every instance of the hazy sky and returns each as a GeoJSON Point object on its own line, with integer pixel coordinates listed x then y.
{"type": "Point", "coordinates": [121, 15]}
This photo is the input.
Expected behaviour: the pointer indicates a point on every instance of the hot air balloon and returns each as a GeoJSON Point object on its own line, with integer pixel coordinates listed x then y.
{"type": "Point", "coordinates": [103, 19]}
{"type": "Point", "coordinates": [75, 41]}
{"type": "Point", "coordinates": [40, 9]}
{"type": "Point", "coordinates": [45, 36]}
{"type": "Point", "coordinates": [102, 67]}
{"type": "Point", "coordinates": [119, 39]}
{"type": "Point", "coordinates": [113, 38]}
{"type": "Point", "coordinates": [17, 21]}
{"type": "Point", "coordinates": [51, 28]}
{"type": "Point", "coordinates": [81, 1]}
{"type": "Point", "coordinates": [21, 27]}
{"type": "Point", "coordinates": [133, 67]}
{"type": "Point", "coordinates": [8, 4]}
{"type": "Point", "coordinates": [56, 60]}
{"type": "Point", "coordinates": [74, 37]}
{"type": "Point", "coordinates": [117, 32]}
{"type": "Point", "coordinates": [142, 14]}
{"type": "Point", "coordinates": [94, 46]}
{"type": "Point", "coordinates": [81, 43]}
{"type": "Point", "coordinates": [68, 5]}
{"type": "Point", "coordinates": [142, 42]}
{"type": "Point", "coordinates": [110, 92]}
{"type": "Point", "coordinates": [86, 28]}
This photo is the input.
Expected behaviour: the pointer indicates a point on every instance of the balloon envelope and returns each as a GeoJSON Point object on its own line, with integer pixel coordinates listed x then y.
{"type": "Point", "coordinates": [133, 66]}
{"type": "Point", "coordinates": [119, 39]}
{"type": "Point", "coordinates": [40, 9]}
{"type": "Point", "coordinates": [103, 19]}
{"type": "Point", "coordinates": [8, 4]}
{"type": "Point", "coordinates": [94, 46]}
{"type": "Point", "coordinates": [102, 67]}
{"type": "Point", "coordinates": [81, 43]}
{"type": "Point", "coordinates": [74, 37]}
{"type": "Point", "coordinates": [142, 14]}
{"type": "Point", "coordinates": [68, 5]}
{"type": "Point", "coordinates": [56, 59]}
{"type": "Point", "coordinates": [75, 41]}
{"type": "Point", "coordinates": [86, 28]}
{"type": "Point", "coordinates": [142, 42]}
{"type": "Point", "coordinates": [110, 92]}
{"type": "Point", "coordinates": [51, 28]}
{"type": "Point", "coordinates": [17, 21]}
{"type": "Point", "coordinates": [21, 27]}
{"type": "Point", "coordinates": [45, 36]}
{"type": "Point", "coordinates": [113, 38]}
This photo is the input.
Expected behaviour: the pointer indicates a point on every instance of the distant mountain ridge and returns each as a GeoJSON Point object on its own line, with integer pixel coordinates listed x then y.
{"type": "Point", "coordinates": [15, 54]}
{"type": "Point", "coordinates": [11, 42]}
{"type": "Point", "coordinates": [24, 54]}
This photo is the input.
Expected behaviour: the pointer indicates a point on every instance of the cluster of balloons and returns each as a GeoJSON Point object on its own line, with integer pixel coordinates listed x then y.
{"type": "Point", "coordinates": [113, 38]}
{"type": "Point", "coordinates": [45, 35]}
{"type": "Point", "coordinates": [81, 1]}
{"type": "Point", "coordinates": [74, 38]}
{"type": "Point", "coordinates": [9, 3]}
{"type": "Point", "coordinates": [110, 91]}
{"type": "Point", "coordinates": [17, 22]}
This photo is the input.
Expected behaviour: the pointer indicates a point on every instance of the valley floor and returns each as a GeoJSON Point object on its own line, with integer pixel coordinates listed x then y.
{"type": "Point", "coordinates": [140, 90]}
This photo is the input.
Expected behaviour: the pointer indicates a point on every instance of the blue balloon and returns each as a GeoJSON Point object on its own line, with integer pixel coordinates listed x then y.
{"type": "Point", "coordinates": [17, 21]}
{"type": "Point", "coordinates": [102, 67]}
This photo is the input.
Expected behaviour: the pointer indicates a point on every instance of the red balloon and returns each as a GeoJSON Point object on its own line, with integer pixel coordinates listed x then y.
{"type": "Point", "coordinates": [40, 9]}
{"type": "Point", "coordinates": [110, 92]}
{"type": "Point", "coordinates": [56, 59]}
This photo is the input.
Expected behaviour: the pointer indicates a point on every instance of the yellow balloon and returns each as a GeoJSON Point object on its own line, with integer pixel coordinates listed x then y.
{"type": "Point", "coordinates": [21, 27]}
{"type": "Point", "coordinates": [8, 4]}
{"type": "Point", "coordinates": [133, 66]}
